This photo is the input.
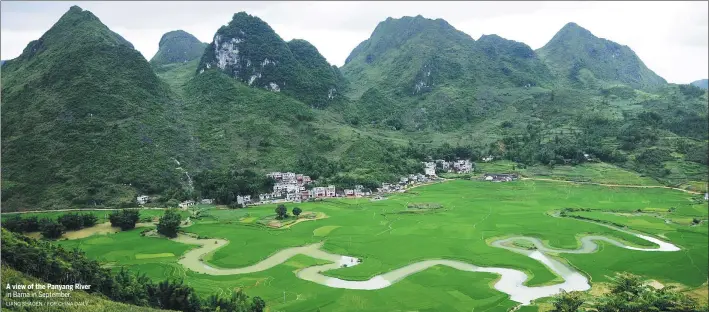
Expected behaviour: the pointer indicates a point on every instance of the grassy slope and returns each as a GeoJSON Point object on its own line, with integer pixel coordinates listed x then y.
{"type": "Point", "coordinates": [475, 212]}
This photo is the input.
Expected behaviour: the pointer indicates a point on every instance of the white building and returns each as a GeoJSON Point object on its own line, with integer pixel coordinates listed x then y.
{"type": "Point", "coordinates": [489, 158]}
{"type": "Point", "coordinates": [187, 203]}
{"type": "Point", "coordinates": [275, 175]}
{"type": "Point", "coordinates": [289, 176]}
{"type": "Point", "coordinates": [243, 200]}
{"type": "Point", "coordinates": [142, 199]}
{"type": "Point", "coordinates": [462, 166]}
{"type": "Point", "coordinates": [319, 192]}
{"type": "Point", "coordinates": [264, 197]}
{"type": "Point", "coordinates": [331, 191]}
{"type": "Point", "coordinates": [207, 201]}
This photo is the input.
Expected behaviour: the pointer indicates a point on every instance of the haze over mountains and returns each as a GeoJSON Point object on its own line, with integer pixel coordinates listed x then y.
{"type": "Point", "coordinates": [88, 121]}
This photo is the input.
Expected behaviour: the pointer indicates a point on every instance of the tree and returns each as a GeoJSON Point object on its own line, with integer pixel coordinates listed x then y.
{"type": "Point", "coordinates": [169, 223]}
{"type": "Point", "coordinates": [56, 265]}
{"type": "Point", "coordinates": [13, 224]}
{"type": "Point", "coordinates": [568, 301]}
{"type": "Point", "coordinates": [172, 203]}
{"type": "Point", "coordinates": [297, 211]}
{"type": "Point", "coordinates": [51, 229]}
{"type": "Point", "coordinates": [628, 293]}
{"type": "Point", "coordinates": [125, 219]}
{"type": "Point", "coordinates": [281, 212]}
{"type": "Point", "coordinates": [258, 305]}
{"type": "Point", "coordinates": [30, 224]}
{"type": "Point", "coordinates": [71, 221]}
{"type": "Point", "coordinates": [89, 219]}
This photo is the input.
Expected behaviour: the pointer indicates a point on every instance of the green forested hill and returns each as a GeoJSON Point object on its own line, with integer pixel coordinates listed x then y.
{"type": "Point", "coordinates": [581, 58]}
{"type": "Point", "coordinates": [249, 50]}
{"type": "Point", "coordinates": [86, 120]}
{"type": "Point", "coordinates": [178, 46]}
{"type": "Point", "coordinates": [703, 83]}
{"type": "Point", "coordinates": [415, 73]}
{"type": "Point", "coordinates": [578, 94]}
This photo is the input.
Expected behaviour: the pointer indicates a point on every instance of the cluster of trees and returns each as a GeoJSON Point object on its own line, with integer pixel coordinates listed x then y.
{"type": "Point", "coordinates": [169, 223]}
{"type": "Point", "coordinates": [49, 228]}
{"type": "Point", "coordinates": [445, 151]}
{"type": "Point", "coordinates": [628, 293]}
{"type": "Point", "coordinates": [77, 221]}
{"type": "Point", "coordinates": [55, 265]}
{"type": "Point", "coordinates": [282, 212]}
{"type": "Point", "coordinates": [124, 218]}
{"type": "Point", "coordinates": [225, 185]}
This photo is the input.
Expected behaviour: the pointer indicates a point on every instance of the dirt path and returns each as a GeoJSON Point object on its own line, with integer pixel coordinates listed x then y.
{"type": "Point", "coordinates": [77, 210]}
{"type": "Point", "coordinates": [615, 185]}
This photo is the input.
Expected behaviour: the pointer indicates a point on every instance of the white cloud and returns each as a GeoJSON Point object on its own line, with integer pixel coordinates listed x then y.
{"type": "Point", "coordinates": [670, 37]}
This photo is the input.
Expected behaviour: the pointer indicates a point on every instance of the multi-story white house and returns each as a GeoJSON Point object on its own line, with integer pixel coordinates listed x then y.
{"type": "Point", "coordinates": [429, 168]}
{"type": "Point", "coordinates": [444, 164]}
{"type": "Point", "coordinates": [243, 200]}
{"type": "Point", "coordinates": [319, 192]}
{"type": "Point", "coordinates": [292, 196]}
{"type": "Point", "coordinates": [331, 191]}
{"type": "Point", "coordinates": [462, 166]}
{"type": "Point", "coordinates": [289, 176]}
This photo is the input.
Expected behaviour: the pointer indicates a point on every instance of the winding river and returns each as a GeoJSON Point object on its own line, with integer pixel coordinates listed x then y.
{"type": "Point", "coordinates": [511, 281]}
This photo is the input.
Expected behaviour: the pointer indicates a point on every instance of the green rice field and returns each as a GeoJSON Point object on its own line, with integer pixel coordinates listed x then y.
{"type": "Point", "coordinates": [386, 237]}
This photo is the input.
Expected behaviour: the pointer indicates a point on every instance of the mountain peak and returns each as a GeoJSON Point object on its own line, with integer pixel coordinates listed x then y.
{"type": "Point", "coordinates": [249, 50]}
{"type": "Point", "coordinates": [178, 46]}
{"type": "Point", "coordinates": [393, 32]}
{"type": "Point", "coordinates": [574, 50]}
{"type": "Point", "coordinates": [76, 28]}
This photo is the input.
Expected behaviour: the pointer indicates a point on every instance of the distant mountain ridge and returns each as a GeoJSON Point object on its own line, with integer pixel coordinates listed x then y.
{"type": "Point", "coordinates": [178, 46]}
{"type": "Point", "coordinates": [577, 56]}
{"type": "Point", "coordinates": [703, 83]}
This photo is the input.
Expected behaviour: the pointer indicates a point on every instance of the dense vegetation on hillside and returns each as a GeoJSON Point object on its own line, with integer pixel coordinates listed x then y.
{"type": "Point", "coordinates": [628, 293]}
{"type": "Point", "coordinates": [250, 51]}
{"type": "Point", "coordinates": [55, 265]}
{"type": "Point", "coordinates": [88, 122]}
{"type": "Point", "coordinates": [578, 95]}
{"type": "Point", "coordinates": [86, 301]}
{"type": "Point", "coordinates": [178, 46]}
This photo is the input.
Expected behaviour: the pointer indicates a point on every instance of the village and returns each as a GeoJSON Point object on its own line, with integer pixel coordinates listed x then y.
{"type": "Point", "coordinates": [295, 187]}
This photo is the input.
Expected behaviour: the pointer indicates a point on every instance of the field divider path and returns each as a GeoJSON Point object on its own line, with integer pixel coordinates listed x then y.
{"type": "Point", "coordinates": [615, 185]}
{"type": "Point", "coordinates": [511, 281]}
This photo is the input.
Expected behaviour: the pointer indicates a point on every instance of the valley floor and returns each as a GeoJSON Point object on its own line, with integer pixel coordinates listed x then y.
{"type": "Point", "coordinates": [387, 236]}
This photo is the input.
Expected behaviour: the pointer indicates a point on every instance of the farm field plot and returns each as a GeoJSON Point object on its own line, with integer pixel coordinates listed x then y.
{"type": "Point", "coordinates": [386, 236]}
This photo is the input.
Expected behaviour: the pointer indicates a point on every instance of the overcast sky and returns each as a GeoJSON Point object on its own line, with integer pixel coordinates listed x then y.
{"type": "Point", "coordinates": [670, 37]}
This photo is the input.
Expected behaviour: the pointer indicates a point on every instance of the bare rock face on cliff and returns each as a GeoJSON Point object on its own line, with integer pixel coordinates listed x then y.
{"type": "Point", "coordinates": [248, 50]}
